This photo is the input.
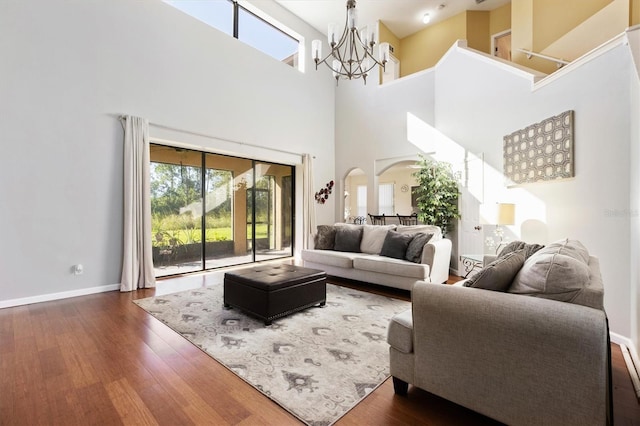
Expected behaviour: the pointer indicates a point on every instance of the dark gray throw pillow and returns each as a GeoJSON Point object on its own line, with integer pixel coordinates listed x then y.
{"type": "Point", "coordinates": [325, 237]}
{"type": "Point", "coordinates": [414, 250]}
{"type": "Point", "coordinates": [395, 244]}
{"type": "Point", "coordinates": [348, 239]}
{"type": "Point", "coordinates": [499, 274]}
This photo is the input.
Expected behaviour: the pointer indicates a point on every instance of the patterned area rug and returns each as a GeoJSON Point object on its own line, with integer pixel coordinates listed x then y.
{"type": "Point", "coordinates": [317, 363]}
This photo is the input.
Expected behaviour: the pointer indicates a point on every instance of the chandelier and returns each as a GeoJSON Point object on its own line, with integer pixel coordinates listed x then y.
{"type": "Point", "coordinates": [352, 55]}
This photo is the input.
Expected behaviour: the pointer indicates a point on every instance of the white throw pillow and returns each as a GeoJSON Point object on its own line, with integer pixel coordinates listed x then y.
{"type": "Point", "coordinates": [373, 237]}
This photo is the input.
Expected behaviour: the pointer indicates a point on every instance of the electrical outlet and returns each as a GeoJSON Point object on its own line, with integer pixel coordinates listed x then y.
{"type": "Point", "coordinates": [78, 269]}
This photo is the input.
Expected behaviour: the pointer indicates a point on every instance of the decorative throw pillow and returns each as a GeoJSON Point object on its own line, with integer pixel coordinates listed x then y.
{"type": "Point", "coordinates": [395, 244]}
{"type": "Point", "coordinates": [348, 239]}
{"type": "Point", "coordinates": [499, 274]}
{"type": "Point", "coordinates": [572, 248]}
{"type": "Point", "coordinates": [427, 229]}
{"type": "Point", "coordinates": [325, 237]}
{"type": "Point", "coordinates": [414, 250]}
{"type": "Point", "coordinates": [373, 238]}
{"type": "Point", "coordinates": [551, 276]}
{"type": "Point", "coordinates": [529, 249]}
{"type": "Point", "coordinates": [560, 272]}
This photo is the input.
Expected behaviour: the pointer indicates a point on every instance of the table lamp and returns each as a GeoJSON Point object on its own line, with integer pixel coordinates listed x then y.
{"type": "Point", "coordinates": [505, 215]}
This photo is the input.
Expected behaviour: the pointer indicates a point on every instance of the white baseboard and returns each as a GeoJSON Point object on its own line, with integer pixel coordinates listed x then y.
{"type": "Point", "coordinates": [57, 296]}
{"type": "Point", "coordinates": [622, 340]}
{"type": "Point", "coordinates": [630, 355]}
{"type": "Point", "coordinates": [635, 379]}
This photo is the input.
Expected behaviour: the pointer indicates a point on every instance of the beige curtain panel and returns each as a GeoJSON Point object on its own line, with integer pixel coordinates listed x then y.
{"type": "Point", "coordinates": [308, 205]}
{"type": "Point", "coordinates": [137, 256]}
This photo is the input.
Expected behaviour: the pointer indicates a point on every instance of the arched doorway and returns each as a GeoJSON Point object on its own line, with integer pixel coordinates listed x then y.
{"type": "Point", "coordinates": [395, 189]}
{"type": "Point", "coordinates": [355, 195]}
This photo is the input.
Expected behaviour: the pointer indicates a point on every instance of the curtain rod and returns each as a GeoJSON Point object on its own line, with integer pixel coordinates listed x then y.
{"type": "Point", "coordinates": [123, 117]}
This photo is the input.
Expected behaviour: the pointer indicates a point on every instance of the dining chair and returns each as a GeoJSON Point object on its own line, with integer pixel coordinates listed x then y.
{"type": "Point", "coordinates": [408, 219]}
{"type": "Point", "coordinates": [377, 219]}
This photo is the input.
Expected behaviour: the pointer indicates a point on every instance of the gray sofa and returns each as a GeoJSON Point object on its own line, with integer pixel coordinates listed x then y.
{"type": "Point", "coordinates": [365, 263]}
{"type": "Point", "coordinates": [520, 360]}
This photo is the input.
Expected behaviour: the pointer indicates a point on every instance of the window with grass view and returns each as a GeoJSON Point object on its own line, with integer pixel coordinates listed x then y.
{"type": "Point", "coordinates": [211, 210]}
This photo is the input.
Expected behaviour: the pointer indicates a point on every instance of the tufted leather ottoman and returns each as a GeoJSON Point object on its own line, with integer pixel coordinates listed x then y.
{"type": "Point", "coordinates": [270, 292]}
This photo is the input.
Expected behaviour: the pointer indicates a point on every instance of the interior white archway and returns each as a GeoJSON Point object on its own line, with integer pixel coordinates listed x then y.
{"type": "Point", "coordinates": [354, 178]}
{"type": "Point", "coordinates": [395, 183]}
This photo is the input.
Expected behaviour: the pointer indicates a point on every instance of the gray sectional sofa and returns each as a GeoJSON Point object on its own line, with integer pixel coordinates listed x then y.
{"type": "Point", "coordinates": [518, 359]}
{"type": "Point", "coordinates": [363, 255]}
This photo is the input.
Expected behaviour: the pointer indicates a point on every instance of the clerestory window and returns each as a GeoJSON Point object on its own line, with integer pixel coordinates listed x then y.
{"type": "Point", "coordinates": [247, 26]}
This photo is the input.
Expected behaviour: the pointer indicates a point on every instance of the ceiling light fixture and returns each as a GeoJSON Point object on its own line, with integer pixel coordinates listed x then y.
{"type": "Point", "coordinates": [352, 55]}
{"type": "Point", "coordinates": [426, 18]}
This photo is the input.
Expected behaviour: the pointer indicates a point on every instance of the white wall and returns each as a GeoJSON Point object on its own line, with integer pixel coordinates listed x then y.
{"type": "Point", "coordinates": [634, 205]}
{"type": "Point", "coordinates": [578, 208]}
{"type": "Point", "coordinates": [371, 125]}
{"type": "Point", "coordinates": [70, 67]}
{"type": "Point", "coordinates": [475, 103]}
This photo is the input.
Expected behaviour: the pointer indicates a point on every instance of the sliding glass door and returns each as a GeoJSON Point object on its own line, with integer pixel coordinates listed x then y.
{"type": "Point", "coordinates": [227, 211]}
{"type": "Point", "coordinates": [272, 210]}
{"type": "Point", "coordinates": [176, 206]}
{"type": "Point", "coordinates": [211, 210]}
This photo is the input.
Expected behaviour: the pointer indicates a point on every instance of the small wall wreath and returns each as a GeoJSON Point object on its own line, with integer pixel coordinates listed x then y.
{"type": "Point", "coordinates": [323, 195]}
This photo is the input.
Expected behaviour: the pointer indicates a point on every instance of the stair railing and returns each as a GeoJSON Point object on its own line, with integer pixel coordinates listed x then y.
{"type": "Point", "coordinates": [559, 62]}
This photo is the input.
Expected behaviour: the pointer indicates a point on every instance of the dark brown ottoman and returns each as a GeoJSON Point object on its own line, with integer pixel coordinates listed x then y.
{"type": "Point", "coordinates": [270, 292]}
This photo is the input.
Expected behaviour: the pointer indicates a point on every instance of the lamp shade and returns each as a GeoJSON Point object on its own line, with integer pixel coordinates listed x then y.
{"type": "Point", "coordinates": [384, 52]}
{"type": "Point", "coordinates": [352, 18]}
{"type": "Point", "coordinates": [337, 67]}
{"type": "Point", "coordinates": [316, 49]}
{"type": "Point", "coordinates": [331, 34]}
{"type": "Point", "coordinates": [364, 36]}
{"type": "Point", "coordinates": [506, 214]}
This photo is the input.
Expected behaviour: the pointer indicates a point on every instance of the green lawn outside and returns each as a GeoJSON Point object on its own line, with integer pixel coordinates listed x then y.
{"type": "Point", "coordinates": [189, 236]}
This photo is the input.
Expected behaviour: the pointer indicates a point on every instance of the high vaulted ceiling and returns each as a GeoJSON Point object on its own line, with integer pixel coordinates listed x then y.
{"type": "Point", "coordinates": [402, 17]}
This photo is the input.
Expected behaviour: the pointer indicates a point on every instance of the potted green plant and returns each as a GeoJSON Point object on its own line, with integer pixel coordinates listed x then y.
{"type": "Point", "coordinates": [437, 194]}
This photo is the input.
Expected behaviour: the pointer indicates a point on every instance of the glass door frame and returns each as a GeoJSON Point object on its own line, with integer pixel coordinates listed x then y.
{"type": "Point", "coordinates": [271, 214]}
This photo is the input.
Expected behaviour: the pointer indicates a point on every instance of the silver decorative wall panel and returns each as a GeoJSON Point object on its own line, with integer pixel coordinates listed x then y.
{"type": "Point", "coordinates": [541, 151]}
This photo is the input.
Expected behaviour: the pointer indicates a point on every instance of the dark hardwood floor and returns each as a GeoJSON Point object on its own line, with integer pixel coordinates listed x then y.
{"type": "Point", "coordinates": [100, 359]}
